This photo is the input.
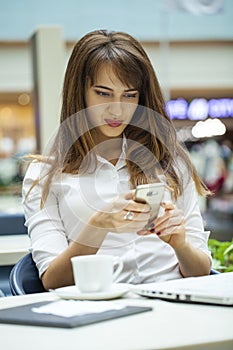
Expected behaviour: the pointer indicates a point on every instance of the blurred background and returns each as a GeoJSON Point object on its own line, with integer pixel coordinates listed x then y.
{"type": "Point", "coordinates": [190, 45]}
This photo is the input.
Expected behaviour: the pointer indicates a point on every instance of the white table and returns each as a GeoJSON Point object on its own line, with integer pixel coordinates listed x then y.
{"type": "Point", "coordinates": [168, 326]}
{"type": "Point", "coordinates": [12, 248]}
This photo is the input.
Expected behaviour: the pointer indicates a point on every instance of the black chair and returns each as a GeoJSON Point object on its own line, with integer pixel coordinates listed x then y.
{"type": "Point", "coordinates": [24, 277]}
{"type": "Point", "coordinates": [1, 294]}
{"type": "Point", "coordinates": [214, 272]}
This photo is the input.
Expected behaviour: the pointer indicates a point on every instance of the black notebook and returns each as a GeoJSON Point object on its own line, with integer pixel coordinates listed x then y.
{"type": "Point", "coordinates": [25, 316]}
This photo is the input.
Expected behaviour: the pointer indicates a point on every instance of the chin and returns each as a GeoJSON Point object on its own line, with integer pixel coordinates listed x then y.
{"type": "Point", "coordinates": [113, 132]}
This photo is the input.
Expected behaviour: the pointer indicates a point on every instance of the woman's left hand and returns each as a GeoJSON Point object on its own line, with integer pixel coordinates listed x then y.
{"type": "Point", "coordinates": [170, 226]}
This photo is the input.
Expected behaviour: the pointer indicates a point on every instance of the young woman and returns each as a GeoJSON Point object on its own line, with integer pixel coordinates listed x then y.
{"type": "Point", "coordinates": [114, 134]}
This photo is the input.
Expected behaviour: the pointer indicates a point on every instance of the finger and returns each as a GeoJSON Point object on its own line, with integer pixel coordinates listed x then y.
{"type": "Point", "coordinates": [178, 229]}
{"type": "Point", "coordinates": [145, 232]}
{"type": "Point", "coordinates": [168, 215]}
{"type": "Point", "coordinates": [168, 205]}
{"type": "Point", "coordinates": [148, 229]}
{"type": "Point", "coordinates": [142, 232]}
{"type": "Point", "coordinates": [127, 205]}
{"type": "Point", "coordinates": [137, 216]}
{"type": "Point", "coordinates": [170, 222]}
{"type": "Point", "coordinates": [130, 195]}
{"type": "Point", "coordinates": [137, 207]}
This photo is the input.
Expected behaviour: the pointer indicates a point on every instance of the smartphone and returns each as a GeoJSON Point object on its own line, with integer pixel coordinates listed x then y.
{"type": "Point", "coordinates": [151, 194]}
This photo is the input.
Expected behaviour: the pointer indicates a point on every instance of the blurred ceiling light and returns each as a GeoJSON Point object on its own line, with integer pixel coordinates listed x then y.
{"type": "Point", "coordinates": [208, 128]}
{"type": "Point", "coordinates": [23, 99]}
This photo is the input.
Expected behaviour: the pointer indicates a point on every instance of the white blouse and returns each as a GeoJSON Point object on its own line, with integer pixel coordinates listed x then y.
{"type": "Point", "coordinates": [71, 201]}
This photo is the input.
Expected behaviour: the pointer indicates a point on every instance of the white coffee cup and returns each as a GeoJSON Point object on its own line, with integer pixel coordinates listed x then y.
{"type": "Point", "coordinates": [95, 273]}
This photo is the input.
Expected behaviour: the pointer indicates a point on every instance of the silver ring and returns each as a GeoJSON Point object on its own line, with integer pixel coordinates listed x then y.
{"type": "Point", "coordinates": [129, 216]}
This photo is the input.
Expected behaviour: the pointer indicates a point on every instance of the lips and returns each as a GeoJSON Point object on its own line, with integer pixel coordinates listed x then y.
{"type": "Point", "coordinates": [113, 123]}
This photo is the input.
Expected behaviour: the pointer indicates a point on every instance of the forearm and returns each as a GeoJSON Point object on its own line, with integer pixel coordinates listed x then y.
{"type": "Point", "coordinates": [192, 261]}
{"type": "Point", "coordinates": [59, 272]}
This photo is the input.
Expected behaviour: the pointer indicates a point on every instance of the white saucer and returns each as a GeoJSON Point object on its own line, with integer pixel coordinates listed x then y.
{"type": "Point", "coordinates": [72, 292]}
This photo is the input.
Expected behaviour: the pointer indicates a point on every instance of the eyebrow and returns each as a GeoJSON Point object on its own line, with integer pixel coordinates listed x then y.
{"type": "Point", "coordinates": [109, 89]}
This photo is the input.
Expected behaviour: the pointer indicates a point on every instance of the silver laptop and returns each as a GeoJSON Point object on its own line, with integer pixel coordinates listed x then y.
{"type": "Point", "coordinates": [213, 289]}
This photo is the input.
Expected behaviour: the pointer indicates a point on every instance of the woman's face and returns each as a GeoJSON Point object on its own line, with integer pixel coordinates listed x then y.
{"type": "Point", "coordinates": [111, 104]}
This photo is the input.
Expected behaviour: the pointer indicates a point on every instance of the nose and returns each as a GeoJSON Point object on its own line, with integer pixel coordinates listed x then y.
{"type": "Point", "coordinates": [115, 108]}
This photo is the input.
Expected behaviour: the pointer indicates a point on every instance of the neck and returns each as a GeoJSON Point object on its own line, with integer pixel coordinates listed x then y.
{"type": "Point", "coordinates": [109, 148]}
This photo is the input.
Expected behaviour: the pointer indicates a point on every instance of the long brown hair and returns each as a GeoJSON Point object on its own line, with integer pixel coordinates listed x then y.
{"type": "Point", "coordinates": [150, 125]}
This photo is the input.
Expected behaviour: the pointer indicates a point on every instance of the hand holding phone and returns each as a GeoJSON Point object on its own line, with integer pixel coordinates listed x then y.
{"type": "Point", "coordinates": [151, 194]}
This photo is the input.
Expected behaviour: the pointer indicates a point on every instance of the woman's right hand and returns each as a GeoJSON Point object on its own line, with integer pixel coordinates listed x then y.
{"type": "Point", "coordinates": [114, 218]}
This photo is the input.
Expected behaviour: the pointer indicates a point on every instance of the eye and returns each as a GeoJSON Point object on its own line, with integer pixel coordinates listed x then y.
{"type": "Point", "coordinates": [130, 95]}
{"type": "Point", "coordinates": [102, 93]}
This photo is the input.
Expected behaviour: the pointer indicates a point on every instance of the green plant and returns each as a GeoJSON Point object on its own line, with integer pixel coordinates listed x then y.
{"type": "Point", "coordinates": [222, 254]}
